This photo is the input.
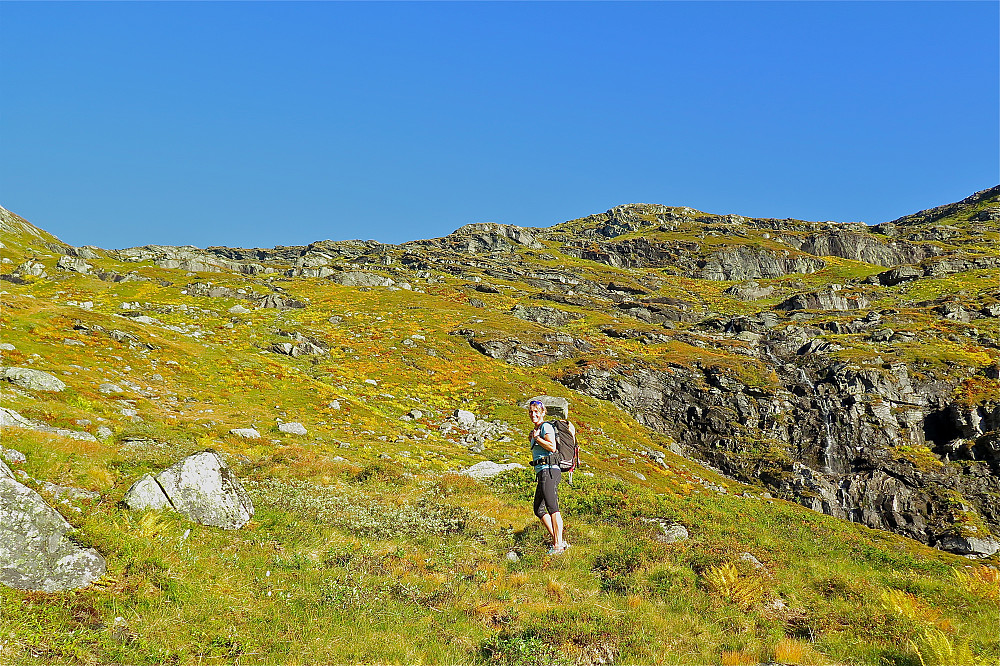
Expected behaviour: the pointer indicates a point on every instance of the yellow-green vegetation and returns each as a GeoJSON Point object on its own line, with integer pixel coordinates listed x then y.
{"type": "Point", "coordinates": [368, 547]}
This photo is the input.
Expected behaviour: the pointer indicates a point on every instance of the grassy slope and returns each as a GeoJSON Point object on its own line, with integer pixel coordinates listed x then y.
{"type": "Point", "coordinates": [353, 558]}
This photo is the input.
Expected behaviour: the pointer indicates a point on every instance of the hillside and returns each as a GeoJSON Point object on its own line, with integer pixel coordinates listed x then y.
{"type": "Point", "coordinates": [815, 404]}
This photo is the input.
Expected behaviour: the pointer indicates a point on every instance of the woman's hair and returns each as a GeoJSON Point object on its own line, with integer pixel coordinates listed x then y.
{"type": "Point", "coordinates": [536, 402]}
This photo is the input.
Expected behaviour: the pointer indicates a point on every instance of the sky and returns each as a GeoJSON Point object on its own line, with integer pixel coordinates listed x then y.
{"type": "Point", "coordinates": [255, 124]}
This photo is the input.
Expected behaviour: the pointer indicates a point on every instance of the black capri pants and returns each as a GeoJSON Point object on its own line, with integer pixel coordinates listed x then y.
{"type": "Point", "coordinates": [546, 497]}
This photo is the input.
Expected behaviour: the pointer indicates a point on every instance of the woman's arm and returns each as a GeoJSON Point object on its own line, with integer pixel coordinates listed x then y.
{"type": "Point", "coordinates": [547, 440]}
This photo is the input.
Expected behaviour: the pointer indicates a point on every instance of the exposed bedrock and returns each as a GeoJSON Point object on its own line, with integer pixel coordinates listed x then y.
{"type": "Point", "coordinates": [862, 444]}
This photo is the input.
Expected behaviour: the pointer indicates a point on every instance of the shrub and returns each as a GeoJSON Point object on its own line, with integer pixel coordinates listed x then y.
{"type": "Point", "coordinates": [616, 568]}
{"type": "Point", "coordinates": [520, 649]}
{"type": "Point", "coordinates": [726, 581]}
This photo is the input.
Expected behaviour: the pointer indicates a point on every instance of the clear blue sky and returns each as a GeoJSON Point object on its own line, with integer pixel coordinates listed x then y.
{"type": "Point", "coordinates": [261, 124]}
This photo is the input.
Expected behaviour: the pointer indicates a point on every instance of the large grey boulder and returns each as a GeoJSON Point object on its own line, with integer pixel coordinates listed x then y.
{"type": "Point", "coordinates": [200, 487]}
{"type": "Point", "coordinates": [75, 264]}
{"type": "Point", "coordinates": [555, 407]}
{"type": "Point", "coordinates": [972, 547]}
{"type": "Point", "coordinates": [36, 552]}
{"type": "Point", "coordinates": [33, 380]}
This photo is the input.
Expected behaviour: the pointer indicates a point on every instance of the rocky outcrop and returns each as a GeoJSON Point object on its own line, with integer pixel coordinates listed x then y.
{"type": "Point", "coordinates": [482, 238]}
{"type": "Point", "coordinates": [36, 549]}
{"type": "Point", "coordinates": [750, 263]}
{"type": "Point", "coordinates": [528, 353]}
{"type": "Point", "coordinates": [628, 218]}
{"type": "Point", "coordinates": [831, 298]}
{"type": "Point", "coordinates": [634, 252]}
{"type": "Point", "coordinates": [200, 487]}
{"type": "Point", "coordinates": [546, 316]}
{"type": "Point", "coordinates": [861, 246]}
{"type": "Point", "coordinates": [858, 443]}
{"type": "Point", "coordinates": [749, 291]}
{"type": "Point", "coordinates": [361, 279]}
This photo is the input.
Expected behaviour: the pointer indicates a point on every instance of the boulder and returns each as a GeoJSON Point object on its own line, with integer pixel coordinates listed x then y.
{"type": "Point", "coordinates": [830, 299]}
{"type": "Point", "coordinates": [36, 552]}
{"type": "Point", "coordinates": [898, 275]}
{"type": "Point", "coordinates": [145, 494]}
{"type": "Point", "coordinates": [33, 268]}
{"type": "Point", "coordinates": [292, 428]}
{"type": "Point", "coordinates": [33, 380]}
{"type": "Point", "coordinates": [969, 546]}
{"type": "Point", "coordinates": [672, 533]}
{"type": "Point", "coordinates": [465, 418]}
{"type": "Point", "coordinates": [75, 264]}
{"type": "Point", "coordinates": [200, 487]}
{"type": "Point", "coordinates": [749, 291]}
{"type": "Point", "coordinates": [555, 407]}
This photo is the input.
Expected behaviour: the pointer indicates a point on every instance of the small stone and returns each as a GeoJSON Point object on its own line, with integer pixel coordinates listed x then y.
{"type": "Point", "coordinates": [672, 533]}
{"type": "Point", "coordinates": [513, 557]}
{"type": "Point", "coordinates": [292, 428]}
{"type": "Point", "coordinates": [103, 432]}
{"type": "Point", "coordinates": [109, 389]}
{"type": "Point", "coordinates": [245, 433]}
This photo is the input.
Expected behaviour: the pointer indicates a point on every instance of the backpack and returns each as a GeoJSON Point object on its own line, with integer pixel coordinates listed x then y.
{"type": "Point", "coordinates": [567, 450]}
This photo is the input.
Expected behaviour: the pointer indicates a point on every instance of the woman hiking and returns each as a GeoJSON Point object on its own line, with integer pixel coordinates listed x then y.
{"type": "Point", "coordinates": [543, 443]}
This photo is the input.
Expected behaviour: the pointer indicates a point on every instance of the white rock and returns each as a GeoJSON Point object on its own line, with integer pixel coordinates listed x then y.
{"type": "Point", "coordinates": [512, 557]}
{"type": "Point", "coordinates": [293, 428]}
{"type": "Point", "coordinates": [145, 494]}
{"type": "Point", "coordinates": [465, 418]}
{"type": "Point", "coordinates": [246, 433]}
{"type": "Point", "coordinates": [34, 380]}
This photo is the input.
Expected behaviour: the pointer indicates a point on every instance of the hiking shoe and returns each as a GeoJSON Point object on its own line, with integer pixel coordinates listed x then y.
{"type": "Point", "coordinates": [555, 550]}
{"type": "Point", "coordinates": [564, 545]}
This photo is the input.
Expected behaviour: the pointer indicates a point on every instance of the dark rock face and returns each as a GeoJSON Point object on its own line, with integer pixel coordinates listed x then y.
{"type": "Point", "coordinates": [834, 426]}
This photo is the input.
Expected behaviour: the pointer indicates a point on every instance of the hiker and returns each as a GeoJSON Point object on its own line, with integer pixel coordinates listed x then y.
{"type": "Point", "coordinates": [543, 443]}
